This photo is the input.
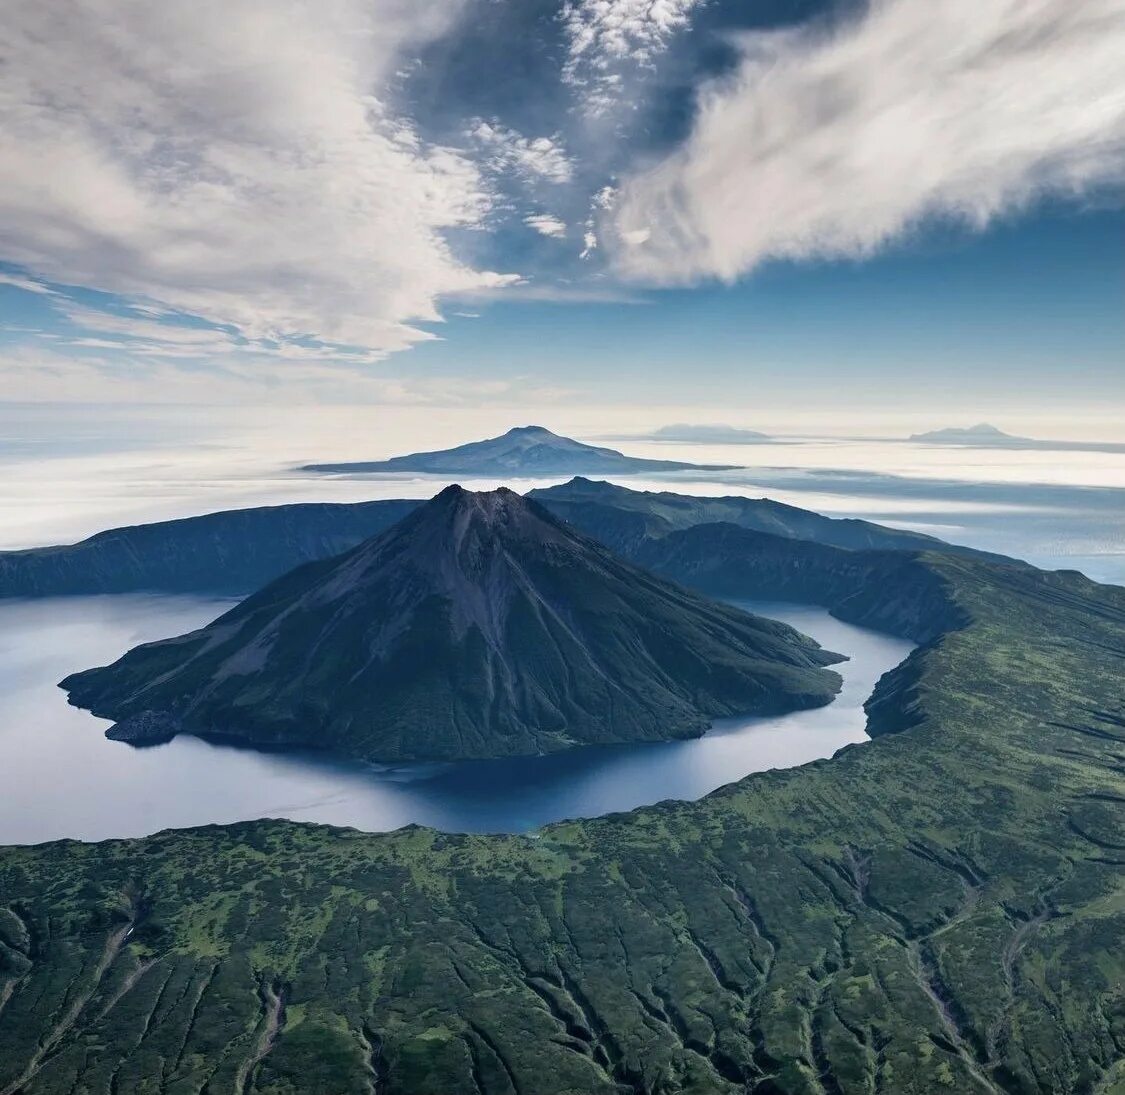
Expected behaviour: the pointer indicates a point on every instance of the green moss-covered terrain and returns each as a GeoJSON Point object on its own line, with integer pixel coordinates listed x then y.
{"type": "Point", "coordinates": [942, 909]}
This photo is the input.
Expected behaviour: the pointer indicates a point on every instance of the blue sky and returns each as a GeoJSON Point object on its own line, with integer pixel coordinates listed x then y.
{"type": "Point", "coordinates": [615, 201]}
{"type": "Point", "coordinates": [1031, 310]}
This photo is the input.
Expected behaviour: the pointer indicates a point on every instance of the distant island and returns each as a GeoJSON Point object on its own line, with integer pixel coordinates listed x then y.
{"type": "Point", "coordinates": [984, 435]}
{"type": "Point", "coordinates": [714, 434]}
{"type": "Point", "coordinates": [980, 434]}
{"type": "Point", "coordinates": [478, 626]}
{"type": "Point", "coordinates": [524, 451]}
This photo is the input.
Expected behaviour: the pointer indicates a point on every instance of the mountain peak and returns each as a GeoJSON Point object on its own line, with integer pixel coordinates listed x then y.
{"type": "Point", "coordinates": [495, 510]}
{"type": "Point", "coordinates": [540, 431]}
{"type": "Point", "coordinates": [457, 495]}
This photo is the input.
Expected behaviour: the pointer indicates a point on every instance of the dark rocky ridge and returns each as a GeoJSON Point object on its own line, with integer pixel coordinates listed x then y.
{"type": "Point", "coordinates": [621, 518]}
{"type": "Point", "coordinates": [478, 626]}
{"type": "Point", "coordinates": [239, 551]}
{"type": "Point", "coordinates": [891, 591]}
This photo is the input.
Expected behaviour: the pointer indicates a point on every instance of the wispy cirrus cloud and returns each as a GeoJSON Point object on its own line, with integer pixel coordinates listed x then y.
{"type": "Point", "coordinates": [609, 39]}
{"type": "Point", "coordinates": [603, 32]}
{"type": "Point", "coordinates": [546, 224]}
{"type": "Point", "coordinates": [44, 374]}
{"type": "Point", "coordinates": [532, 158]}
{"type": "Point", "coordinates": [833, 144]}
{"type": "Point", "coordinates": [237, 161]}
{"type": "Point", "coordinates": [28, 285]}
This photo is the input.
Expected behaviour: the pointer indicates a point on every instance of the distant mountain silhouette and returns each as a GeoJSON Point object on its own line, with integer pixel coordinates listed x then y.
{"type": "Point", "coordinates": [523, 451]}
{"type": "Point", "coordinates": [479, 626]}
{"type": "Point", "coordinates": [983, 435]}
{"type": "Point", "coordinates": [716, 434]}
{"type": "Point", "coordinates": [980, 434]}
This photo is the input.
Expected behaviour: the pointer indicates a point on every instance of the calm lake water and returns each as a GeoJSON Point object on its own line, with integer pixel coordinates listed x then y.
{"type": "Point", "coordinates": [60, 777]}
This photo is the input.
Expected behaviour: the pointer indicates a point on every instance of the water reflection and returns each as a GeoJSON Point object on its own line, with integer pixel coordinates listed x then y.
{"type": "Point", "coordinates": [59, 777]}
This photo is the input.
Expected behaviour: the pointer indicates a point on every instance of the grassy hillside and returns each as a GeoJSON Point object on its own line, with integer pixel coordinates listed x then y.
{"type": "Point", "coordinates": [621, 518]}
{"type": "Point", "coordinates": [230, 552]}
{"type": "Point", "coordinates": [940, 910]}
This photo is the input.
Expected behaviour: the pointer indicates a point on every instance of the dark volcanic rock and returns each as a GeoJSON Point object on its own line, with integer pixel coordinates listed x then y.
{"type": "Point", "coordinates": [478, 626]}
{"type": "Point", "coordinates": [145, 728]}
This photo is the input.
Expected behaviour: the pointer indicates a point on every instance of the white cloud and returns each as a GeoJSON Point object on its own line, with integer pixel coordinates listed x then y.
{"type": "Point", "coordinates": [835, 145]}
{"type": "Point", "coordinates": [28, 285]}
{"type": "Point", "coordinates": [604, 31]}
{"type": "Point", "coordinates": [530, 157]}
{"type": "Point", "coordinates": [608, 37]}
{"type": "Point", "coordinates": [141, 326]}
{"type": "Point", "coordinates": [43, 375]}
{"type": "Point", "coordinates": [232, 160]}
{"type": "Point", "coordinates": [546, 225]}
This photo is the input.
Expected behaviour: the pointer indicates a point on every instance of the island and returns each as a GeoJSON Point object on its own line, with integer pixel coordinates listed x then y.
{"type": "Point", "coordinates": [985, 436]}
{"type": "Point", "coordinates": [478, 626]}
{"type": "Point", "coordinates": [708, 434]}
{"type": "Point", "coordinates": [980, 434]}
{"type": "Point", "coordinates": [526, 451]}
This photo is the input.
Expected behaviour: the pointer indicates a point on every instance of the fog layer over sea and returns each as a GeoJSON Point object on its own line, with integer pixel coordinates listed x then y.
{"type": "Point", "coordinates": [67, 472]}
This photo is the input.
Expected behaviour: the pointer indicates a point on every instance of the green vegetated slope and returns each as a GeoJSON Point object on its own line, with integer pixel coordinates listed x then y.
{"type": "Point", "coordinates": [942, 909]}
{"type": "Point", "coordinates": [621, 518]}
{"type": "Point", "coordinates": [229, 552]}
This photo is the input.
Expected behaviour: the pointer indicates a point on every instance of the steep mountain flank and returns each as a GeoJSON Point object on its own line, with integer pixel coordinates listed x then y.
{"type": "Point", "coordinates": [478, 626]}
{"type": "Point", "coordinates": [892, 591]}
{"type": "Point", "coordinates": [618, 517]}
{"type": "Point", "coordinates": [230, 552]}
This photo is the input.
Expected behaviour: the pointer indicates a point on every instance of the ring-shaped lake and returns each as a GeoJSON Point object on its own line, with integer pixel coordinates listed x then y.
{"type": "Point", "coordinates": [60, 777]}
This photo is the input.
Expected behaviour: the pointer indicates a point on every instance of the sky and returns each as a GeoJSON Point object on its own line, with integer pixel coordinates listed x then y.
{"type": "Point", "coordinates": [891, 210]}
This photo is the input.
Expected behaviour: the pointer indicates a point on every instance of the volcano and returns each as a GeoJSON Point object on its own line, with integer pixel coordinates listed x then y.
{"type": "Point", "coordinates": [478, 626]}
